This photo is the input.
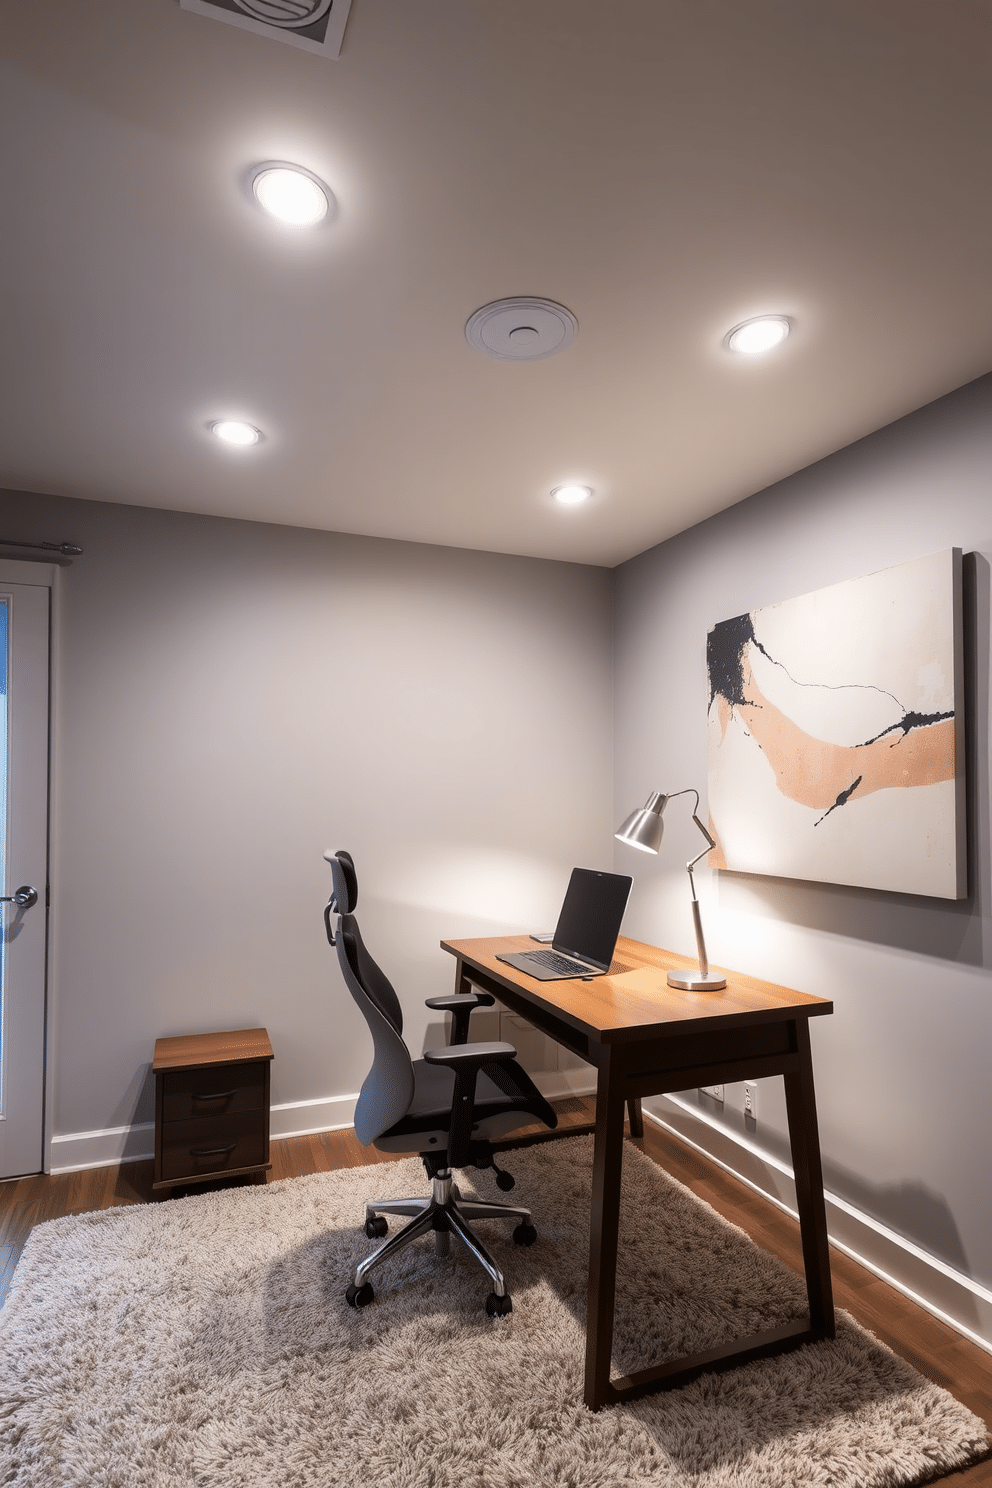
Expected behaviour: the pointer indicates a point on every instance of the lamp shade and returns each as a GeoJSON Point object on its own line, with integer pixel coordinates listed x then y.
{"type": "Point", "coordinates": [644, 828]}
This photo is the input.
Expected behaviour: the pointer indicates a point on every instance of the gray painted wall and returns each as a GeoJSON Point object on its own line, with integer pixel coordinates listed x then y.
{"type": "Point", "coordinates": [235, 697]}
{"type": "Point", "coordinates": [903, 1065]}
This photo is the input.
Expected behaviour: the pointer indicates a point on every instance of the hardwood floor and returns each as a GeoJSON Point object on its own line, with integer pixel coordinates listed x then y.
{"type": "Point", "coordinates": [936, 1350]}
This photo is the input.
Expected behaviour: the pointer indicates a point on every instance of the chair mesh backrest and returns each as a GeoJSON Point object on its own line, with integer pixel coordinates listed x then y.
{"type": "Point", "coordinates": [388, 1088]}
{"type": "Point", "coordinates": [373, 979]}
{"type": "Point", "coordinates": [344, 897]}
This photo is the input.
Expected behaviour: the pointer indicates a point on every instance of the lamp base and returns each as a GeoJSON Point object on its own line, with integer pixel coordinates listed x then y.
{"type": "Point", "coordinates": [696, 981]}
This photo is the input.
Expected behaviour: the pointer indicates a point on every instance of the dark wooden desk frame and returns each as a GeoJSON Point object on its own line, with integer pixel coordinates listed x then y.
{"type": "Point", "coordinates": [642, 1043]}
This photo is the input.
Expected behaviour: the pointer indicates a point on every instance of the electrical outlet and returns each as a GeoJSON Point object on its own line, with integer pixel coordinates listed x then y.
{"type": "Point", "coordinates": [751, 1099]}
{"type": "Point", "coordinates": [715, 1092]}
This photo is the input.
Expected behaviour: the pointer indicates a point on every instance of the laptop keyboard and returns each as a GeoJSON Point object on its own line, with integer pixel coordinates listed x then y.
{"type": "Point", "coordinates": [564, 965]}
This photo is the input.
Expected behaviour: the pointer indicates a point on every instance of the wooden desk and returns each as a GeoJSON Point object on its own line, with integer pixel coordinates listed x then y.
{"type": "Point", "coordinates": [646, 1038]}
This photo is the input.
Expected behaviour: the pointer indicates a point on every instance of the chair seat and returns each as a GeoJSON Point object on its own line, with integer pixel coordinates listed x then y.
{"type": "Point", "coordinates": [432, 1099]}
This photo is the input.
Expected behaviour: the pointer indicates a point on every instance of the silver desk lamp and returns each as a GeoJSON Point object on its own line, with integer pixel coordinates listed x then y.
{"type": "Point", "coordinates": [643, 829]}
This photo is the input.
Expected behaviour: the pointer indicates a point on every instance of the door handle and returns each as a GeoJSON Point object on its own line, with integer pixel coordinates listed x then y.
{"type": "Point", "coordinates": [24, 897]}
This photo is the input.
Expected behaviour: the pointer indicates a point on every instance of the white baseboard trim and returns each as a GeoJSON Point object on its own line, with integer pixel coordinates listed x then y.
{"type": "Point", "coordinates": [563, 1084]}
{"type": "Point", "coordinates": [956, 1299]}
{"type": "Point", "coordinates": [309, 1117]}
{"type": "Point", "coordinates": [334, 1112]}
{"type": "Point", "coordinates": [73, 1151]}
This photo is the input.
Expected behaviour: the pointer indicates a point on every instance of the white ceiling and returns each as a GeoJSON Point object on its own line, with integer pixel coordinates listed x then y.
{"type": "Point", "coordinates": [664, 168]}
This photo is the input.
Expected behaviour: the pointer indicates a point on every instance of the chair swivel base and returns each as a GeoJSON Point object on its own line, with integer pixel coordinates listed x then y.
{"type": "Point", "coordinates": [446, 1213]}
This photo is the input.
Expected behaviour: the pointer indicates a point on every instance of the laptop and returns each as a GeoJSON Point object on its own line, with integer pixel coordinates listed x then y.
{"type": "Point", "coordinates": [586, 934]}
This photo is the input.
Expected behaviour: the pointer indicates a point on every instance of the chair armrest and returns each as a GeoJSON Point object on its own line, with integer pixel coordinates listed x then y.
{"type": "Point", "coordinates": [464, 1056]}
{"type": "Point", "coordinates": [465, 1061]}
{"type": "Point", "coordinates": [461, 1006]}
{"type": "Point", "coordinates": [461, 999]}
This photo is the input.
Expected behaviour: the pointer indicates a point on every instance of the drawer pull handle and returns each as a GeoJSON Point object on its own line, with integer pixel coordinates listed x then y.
{"type": "Point", "coordinates": [212, 1151]}
{"type": "Point", "coordinates": [220, 1095]}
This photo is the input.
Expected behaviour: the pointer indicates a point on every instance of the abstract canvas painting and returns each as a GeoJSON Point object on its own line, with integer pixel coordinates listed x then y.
{"type": "Point", "coordinates": [836, 742]}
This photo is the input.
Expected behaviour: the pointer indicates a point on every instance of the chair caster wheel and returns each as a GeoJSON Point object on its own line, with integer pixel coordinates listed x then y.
{"type": "Point", "coordinates": [376, 1227]}
{"type": "Point", "coordinates": [505, 1181]}
{"type": "Point", "coordinates": [498, 1306]}
{"type": "Point", "coordinates": [359, 1296]}
{"type": "Point", "coordinates": [524, 1234]}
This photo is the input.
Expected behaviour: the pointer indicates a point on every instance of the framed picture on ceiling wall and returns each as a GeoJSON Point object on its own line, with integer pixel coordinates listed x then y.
{"type": "Point", "coordinates": [835, 731]}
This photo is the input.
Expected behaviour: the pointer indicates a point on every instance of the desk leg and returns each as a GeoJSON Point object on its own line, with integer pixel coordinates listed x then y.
{"type": "Point", "coordinates": [635, 1116]}
{"type": "Point", "coordinates": [604, 1227]}
{"type": "Point", "coordinates": [804, 1137]}
{"type": "Point", "coordinates": [462, 983]}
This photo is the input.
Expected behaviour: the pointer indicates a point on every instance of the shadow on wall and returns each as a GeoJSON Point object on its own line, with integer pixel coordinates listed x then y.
{"type": "Point", "coordinates": [913, 1211]}
{"type": "Point", "coordinates": [909, 1209]}
{"type": "Point", "coordinates": [136, 1105]}
{"type": "Point", "coordinates": [950, 930]}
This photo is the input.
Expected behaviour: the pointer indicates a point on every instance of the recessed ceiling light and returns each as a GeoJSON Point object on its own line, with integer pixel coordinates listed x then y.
{"type": "Point", "coordinates": [571, 495]}
{"type": "Point", "coordinates": [233, 431]}
{"type": "Point", "coordinates": [752, 337]}
{"type": "Point", "coordinates": [294, 195]}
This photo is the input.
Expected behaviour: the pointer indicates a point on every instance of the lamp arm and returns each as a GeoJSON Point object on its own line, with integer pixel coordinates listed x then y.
{"type": "Point", "coordinates": [710, 842]}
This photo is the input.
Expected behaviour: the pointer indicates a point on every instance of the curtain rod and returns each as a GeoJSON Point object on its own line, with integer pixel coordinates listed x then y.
{"type": "Point", "coordinates": [68, 550]}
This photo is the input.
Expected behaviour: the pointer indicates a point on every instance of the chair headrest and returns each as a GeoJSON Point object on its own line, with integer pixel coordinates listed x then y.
{"type": "Point", "coordinates": [344, 879]}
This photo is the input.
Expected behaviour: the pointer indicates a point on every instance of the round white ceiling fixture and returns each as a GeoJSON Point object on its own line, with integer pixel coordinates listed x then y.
{"type": "Point", "coordinates": [571, 495]}
{"type": "Point", "coordinates": [290, 193]}
{"type": "Point", "coordinates": [521, 329]}
{"type": "Point", "coordinates": [233, 431]}
{"type": "Point", "coordinates": [752, 337]}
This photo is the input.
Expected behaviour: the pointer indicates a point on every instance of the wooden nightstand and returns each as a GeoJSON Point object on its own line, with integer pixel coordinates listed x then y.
{"type": "Point", "coordinates": [211, 1106]}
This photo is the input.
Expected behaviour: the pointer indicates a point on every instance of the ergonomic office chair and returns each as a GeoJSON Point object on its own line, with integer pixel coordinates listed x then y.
{"type": "Point", "coordinates": [449, 1107]}
{"type": "Point", "coordinates": [344, 900]}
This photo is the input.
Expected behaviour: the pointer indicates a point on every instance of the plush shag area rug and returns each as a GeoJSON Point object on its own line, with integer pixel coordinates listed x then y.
{"type": "Point", "coordinates": [206, 1342]}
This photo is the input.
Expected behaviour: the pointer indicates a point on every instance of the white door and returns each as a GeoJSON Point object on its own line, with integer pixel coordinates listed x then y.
{"type": "Point", "coordinates": [25, 603]}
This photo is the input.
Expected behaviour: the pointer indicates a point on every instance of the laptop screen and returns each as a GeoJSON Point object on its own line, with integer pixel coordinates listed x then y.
{"type": "Point", "coordinates": [591, 915]}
